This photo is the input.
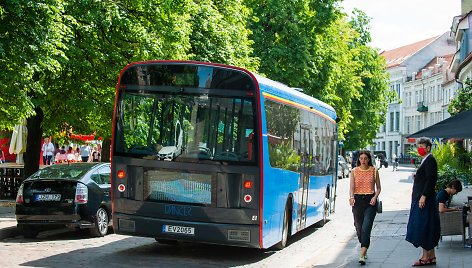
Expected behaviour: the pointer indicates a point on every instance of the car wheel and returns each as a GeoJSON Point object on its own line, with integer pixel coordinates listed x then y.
{"type": "Point", "coordinates": [100, 226]}
{"type": "Point", "coordinates": [28, 231]}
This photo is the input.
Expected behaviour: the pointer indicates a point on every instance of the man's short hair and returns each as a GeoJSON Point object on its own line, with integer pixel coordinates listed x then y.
{"type": "Point", "coordinates": [425, 141]}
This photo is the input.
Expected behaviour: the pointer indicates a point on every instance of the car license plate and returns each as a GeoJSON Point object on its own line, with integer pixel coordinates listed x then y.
{"type": "Point", "coordinates": [48, 197]}
{"type": "Point", "coordinates": [178, 229]}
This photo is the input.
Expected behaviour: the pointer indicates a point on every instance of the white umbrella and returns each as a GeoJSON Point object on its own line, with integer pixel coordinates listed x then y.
{"type": "Point", "coordinates": [18, 141]}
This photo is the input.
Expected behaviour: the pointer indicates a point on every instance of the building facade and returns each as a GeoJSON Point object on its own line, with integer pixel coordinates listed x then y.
{"type": "Point", "coordinates": [408, 112]}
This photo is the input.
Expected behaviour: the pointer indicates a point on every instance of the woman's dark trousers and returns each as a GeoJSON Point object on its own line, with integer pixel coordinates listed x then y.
{"type": "Point", "coordinates": [364, 215]}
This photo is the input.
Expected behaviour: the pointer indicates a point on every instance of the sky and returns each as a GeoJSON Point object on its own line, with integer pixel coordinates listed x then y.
{"type": "Point", "coordinates": [395, 23]}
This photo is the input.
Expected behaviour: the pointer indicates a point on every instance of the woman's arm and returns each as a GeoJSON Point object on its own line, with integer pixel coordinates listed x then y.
{"type": "Point", "coordinates": [351, 188]}
{"type": "Point", "coordinates": [378, 188]}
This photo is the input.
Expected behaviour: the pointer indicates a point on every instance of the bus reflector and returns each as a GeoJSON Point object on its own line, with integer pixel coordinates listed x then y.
{"type": "Point", "coordinates": [247, 198]}
{"type": "Point", "coordinates": [121, 187]}
{"type": "Point", "coordinates": [121, 174]}
{"type": "Point", "coordinates": [248, 184]}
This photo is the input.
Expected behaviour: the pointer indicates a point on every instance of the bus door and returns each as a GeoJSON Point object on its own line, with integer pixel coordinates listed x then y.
{"type": "Point", "coordinates": [305, 155]}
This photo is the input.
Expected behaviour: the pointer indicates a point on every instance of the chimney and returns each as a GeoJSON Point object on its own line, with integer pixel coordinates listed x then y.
{"type": "Point", "coordinates": [413, 76]}
{"type": "Point", "coordinates": [436, 68]}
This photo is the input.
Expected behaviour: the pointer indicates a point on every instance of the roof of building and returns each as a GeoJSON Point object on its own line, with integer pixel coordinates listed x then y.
{"type": "Point", "coordinates": [433, 62]}
{"type": "Point", "coordinates": [397, 56]}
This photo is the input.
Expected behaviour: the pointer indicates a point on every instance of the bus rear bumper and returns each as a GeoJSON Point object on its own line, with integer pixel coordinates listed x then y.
{"type": "Point", "coordinates": [215, 233]}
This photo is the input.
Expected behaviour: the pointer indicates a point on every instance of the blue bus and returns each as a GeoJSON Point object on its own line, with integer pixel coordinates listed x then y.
{"type": "Point", "coordinates": [216, 154]}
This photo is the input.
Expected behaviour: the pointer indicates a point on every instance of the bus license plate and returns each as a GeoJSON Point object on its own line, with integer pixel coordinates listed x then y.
{"type": "Point", "coordinates": [48, 197]}
{"type": "Point", "coordinates": [178, 229]}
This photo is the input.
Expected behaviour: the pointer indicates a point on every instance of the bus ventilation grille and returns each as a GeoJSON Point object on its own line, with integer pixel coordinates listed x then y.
{"type": "Point", "coordinates": [239, 235]}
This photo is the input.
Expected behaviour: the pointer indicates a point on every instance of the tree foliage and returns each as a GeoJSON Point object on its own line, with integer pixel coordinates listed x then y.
{"type": "Point", "coordinates": [310, 44]}
{"type": "Point", "coordinates": [61, 59]}
{"type": "Point", "coordinates": [463, 101]}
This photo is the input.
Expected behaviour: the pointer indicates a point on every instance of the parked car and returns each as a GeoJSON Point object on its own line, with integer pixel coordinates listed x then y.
{"type": "Point", "coordinates": [343, 168]}
{"type": "Point", "coordinates": [72, 195]}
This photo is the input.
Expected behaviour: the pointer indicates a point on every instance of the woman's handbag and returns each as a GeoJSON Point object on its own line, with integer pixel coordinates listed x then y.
{"type": "Point", "coordinates": [379, 205]}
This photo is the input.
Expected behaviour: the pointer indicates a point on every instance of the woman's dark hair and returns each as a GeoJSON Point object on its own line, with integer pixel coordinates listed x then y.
{"type": "Point", "coordinates": [455, 184]}
{"type": "Point", "coordinates": [366, 152]}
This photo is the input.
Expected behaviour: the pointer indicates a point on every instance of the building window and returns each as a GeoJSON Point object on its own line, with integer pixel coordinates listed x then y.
{"type": "Point", "coordinates": [390, 147]}
{"type": "Point", "coordinates": [395, 147]}
{"type": "Point", "coordinates": [383, 145]}
{"type": "Point", "coordinates": [391, 121]}
{"type": "Point", "coordinates": [408, 122]}
{"type": "Point", "coordinates": [418, 123]}
{"type": "Point", "coordinates": [397, 121]}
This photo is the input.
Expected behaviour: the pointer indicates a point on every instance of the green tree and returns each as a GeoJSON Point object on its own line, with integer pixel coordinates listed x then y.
{"type": "Point", "coordinates": [310, 44]}
{"type": "Point", "coordinates": [370, 107]}
{"type": "Point", "coordinates": [463, 101]}
{"type": "Point", "coordinates": [63, 58]}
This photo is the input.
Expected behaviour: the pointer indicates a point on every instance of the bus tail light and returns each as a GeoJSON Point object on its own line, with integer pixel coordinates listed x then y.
{"type": "Point", "coordinates": [248, 184]}
{"type": "Point", "coordinates": [121, 174]}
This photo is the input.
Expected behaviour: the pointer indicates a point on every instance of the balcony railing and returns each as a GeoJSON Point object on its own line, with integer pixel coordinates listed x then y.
{"type": "Point", "coordinates": [421, 107]}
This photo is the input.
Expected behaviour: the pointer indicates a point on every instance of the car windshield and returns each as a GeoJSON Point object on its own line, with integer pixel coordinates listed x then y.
{"type": "Point", "coordinates": [62, 172]}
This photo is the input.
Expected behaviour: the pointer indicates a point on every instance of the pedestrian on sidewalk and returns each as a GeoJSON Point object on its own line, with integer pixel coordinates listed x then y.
{"type": "Point", "coordinates": [363, 193]}
{"type": "Point", "coordinates": [48, 152]}
{"type": "Point", "coordinates": [423, 229]}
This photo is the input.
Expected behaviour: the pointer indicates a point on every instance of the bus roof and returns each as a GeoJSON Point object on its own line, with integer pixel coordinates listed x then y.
{"type": "Point", "coordinates": [285, 92]}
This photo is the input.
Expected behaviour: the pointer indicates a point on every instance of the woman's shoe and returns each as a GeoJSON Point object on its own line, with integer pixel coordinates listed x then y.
{"type": "Point", "coordinates": [362, 260]}
{"type": "Point", "coordinates": [432, 261]}
{"type": "Point", "coordinates": [422, 262]}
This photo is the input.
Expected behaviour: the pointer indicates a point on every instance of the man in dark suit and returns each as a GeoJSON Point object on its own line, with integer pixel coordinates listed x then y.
{"type": "Point", "coordinates": [423, 228]}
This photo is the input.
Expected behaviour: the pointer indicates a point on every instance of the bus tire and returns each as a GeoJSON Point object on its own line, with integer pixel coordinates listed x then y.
{"type": "Point", "coordinates": [285, 229]}
{"type": "Point", "coordinates": [324, 220]}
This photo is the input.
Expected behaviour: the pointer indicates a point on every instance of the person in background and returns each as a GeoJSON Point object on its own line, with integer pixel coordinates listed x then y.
{"type": "Point", "coordinates": [423, 229]}
{"type": "Point", "coordinates": [364, 191]}
{"type": "Point", "coordinates": [63, 150]}
{"type": "Point", "coordinates": [85, 152]}
{"type": "Point", "coordinates": [95, 155]}
{"type": "Point", "coordinates": [443, 197]}
{"type": "Point", "coordinates": [2, 156]}
{"type": "Point", "coordinates": [48, 152]}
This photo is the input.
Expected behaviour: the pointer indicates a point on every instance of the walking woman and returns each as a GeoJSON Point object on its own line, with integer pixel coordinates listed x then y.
{"type": "Point", "coordinates": [364, 190]}
{"type": "Point", "coordinates": [423, 228]}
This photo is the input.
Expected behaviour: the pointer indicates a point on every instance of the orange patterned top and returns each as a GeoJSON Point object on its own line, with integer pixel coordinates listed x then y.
{"type": "Point", "coordinates": [364, 180]}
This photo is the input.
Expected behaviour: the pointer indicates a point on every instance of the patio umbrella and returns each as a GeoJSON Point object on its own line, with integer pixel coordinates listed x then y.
{"type": "Point", "coordinates": [458, 126]}
{"type": "Point", "coordinates": [18, 141]}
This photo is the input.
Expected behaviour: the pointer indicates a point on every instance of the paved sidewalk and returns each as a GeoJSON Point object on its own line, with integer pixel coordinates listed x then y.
{"type": "Point", "coordinates": [388, 246]}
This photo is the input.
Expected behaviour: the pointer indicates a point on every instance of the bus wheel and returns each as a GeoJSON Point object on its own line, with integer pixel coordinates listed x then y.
{"type": "Point", "coordinates": [283, 242]}
{"type": "Point", "coordinates": [324, 220]}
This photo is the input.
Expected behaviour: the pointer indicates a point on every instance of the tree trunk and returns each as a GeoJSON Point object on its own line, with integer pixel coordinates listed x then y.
{"type": "Point", "coordinates": [33, 147]}
{"type": "Point", "coordinates": [106, 150]}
